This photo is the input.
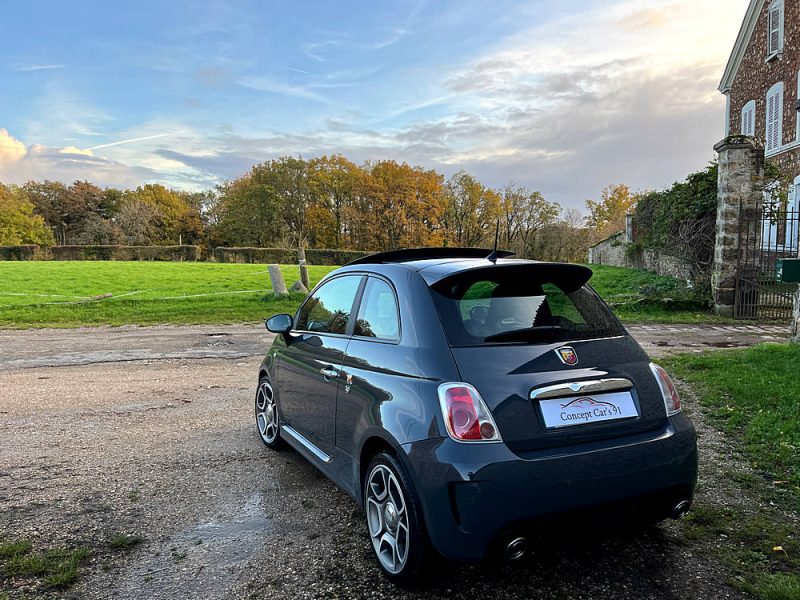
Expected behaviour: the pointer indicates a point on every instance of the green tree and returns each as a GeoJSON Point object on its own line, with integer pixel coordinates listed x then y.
{"type": "Point", "coordinates": [18, 223]}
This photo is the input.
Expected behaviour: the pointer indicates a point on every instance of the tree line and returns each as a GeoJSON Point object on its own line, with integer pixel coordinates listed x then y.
{"type": "Point", "coordinates": [325, 202]}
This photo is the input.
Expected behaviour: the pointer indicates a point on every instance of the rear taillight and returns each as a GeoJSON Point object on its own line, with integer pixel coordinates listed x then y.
{"type": "Point", "coordinates": [672, 401]}
{"type": "Point", "coordinates": [465, 414]}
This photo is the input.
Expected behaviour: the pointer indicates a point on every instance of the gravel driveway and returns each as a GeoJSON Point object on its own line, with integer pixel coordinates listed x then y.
{"type": "Point", "coordinates": [148, 432]}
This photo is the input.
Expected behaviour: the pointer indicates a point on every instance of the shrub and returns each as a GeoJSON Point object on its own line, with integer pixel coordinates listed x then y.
{"type": "Point", "coordinates": [25, 252]}
{"type": "Point", "coordinates": [285, 256]}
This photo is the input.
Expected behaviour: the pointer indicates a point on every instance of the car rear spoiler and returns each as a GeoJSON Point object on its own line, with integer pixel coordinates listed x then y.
{"type": "Point", "coordinates": [569, 277]}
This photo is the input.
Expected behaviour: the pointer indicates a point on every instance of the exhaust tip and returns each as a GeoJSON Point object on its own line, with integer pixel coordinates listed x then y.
{"type": "Point", "coordinates": [680, 510]}
{"type": "Point", "coordinates": [516, 548]}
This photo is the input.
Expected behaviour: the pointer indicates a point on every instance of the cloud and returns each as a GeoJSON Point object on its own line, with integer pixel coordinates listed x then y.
{"type": "Point", "coordinates": [11, 149]}
{"type": "Point", "coordinates": [266, 84]}
{"type": "Point", "coordinates": [20, 163]}
{"type": "Point", "coordinates": [74, 150]}
{"type": "Point", "coordinates": [26, 68]}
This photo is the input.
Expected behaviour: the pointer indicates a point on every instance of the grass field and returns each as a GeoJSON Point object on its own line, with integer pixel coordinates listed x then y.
{"type": "Point", "coordinates": [753, 395]}
{"type": "Point", "coordinates": [70, 294]}
{"type": "Point", "coordinates": [58, 294]}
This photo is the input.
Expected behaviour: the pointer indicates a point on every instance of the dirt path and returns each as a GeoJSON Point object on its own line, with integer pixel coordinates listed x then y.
{"type": "Point", "coordinates": [159, 444]}
{"type": "Point", "coordinates": [62, 347]}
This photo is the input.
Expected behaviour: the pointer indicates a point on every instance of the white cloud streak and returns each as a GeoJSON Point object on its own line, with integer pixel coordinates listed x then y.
{"type": "Point", "coordinates": [28, 68]}
{"type": "Point", "coordinates": [130, 141]}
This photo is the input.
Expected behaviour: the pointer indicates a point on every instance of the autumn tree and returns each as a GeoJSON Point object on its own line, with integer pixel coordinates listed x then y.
{"type": "Point", "coordinates": [472, 210]}
{"type": "Point", "coordinates": [607, 216]}
{"type": "Point", "coordinates": [523, 214]}
{"type": "Point", "coordinates": [333, 184]}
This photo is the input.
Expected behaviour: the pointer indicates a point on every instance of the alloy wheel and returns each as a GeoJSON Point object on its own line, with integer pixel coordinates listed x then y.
{"type": "Point", "coordinates": [266, 413]}
{"type": "Point", "coordinates": [387, 518]}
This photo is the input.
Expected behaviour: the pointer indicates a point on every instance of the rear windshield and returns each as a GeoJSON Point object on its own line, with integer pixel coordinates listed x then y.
{"type": "Point", "coordinates": [502, 306]}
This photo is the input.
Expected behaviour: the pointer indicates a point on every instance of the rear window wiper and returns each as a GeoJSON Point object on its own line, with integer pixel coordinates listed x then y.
{"type": "Point", "coordinates": [540, 331]}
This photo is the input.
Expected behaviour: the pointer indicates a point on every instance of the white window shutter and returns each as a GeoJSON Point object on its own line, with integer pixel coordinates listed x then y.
{"type": "Point", "coordinates": [770, 120]}
{"type": "Point", "coordinates": [775, 26]}
{"type": "Point", "coordinates": [749, 118]}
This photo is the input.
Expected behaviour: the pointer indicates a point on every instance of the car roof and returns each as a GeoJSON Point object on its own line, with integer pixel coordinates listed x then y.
{"type": "Point", "coordinates": [434, 270]}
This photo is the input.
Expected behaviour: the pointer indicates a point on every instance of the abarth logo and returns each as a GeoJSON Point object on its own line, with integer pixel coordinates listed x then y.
{"type": "Point", "coordinates": [567, 356]}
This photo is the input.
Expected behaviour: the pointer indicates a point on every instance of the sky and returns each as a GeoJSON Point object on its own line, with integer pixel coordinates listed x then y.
{"type": "Point", "coordinates": [562, 97]}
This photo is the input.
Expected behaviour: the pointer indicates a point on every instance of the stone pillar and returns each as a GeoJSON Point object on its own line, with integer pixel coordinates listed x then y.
{"type": "Point", "coordinates": [629, 228]}
{"type": "Point", "coordinates": [796, 319]}
{"type": "Point", "coordinates": [739, 196]}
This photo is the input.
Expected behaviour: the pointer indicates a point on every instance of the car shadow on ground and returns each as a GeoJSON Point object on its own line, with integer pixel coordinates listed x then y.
{"type": "Point", "coordinates": [320, 548]}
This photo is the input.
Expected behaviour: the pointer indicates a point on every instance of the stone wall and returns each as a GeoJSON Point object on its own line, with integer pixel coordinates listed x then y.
{"type": "Point", "coordinates": [610, 251]}
{"type": "Point", "coordinates": [614, 251]}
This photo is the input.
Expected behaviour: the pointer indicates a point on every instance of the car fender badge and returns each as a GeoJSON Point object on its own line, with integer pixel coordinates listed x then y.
{"type": "Point", "coordinates": [567, 355]}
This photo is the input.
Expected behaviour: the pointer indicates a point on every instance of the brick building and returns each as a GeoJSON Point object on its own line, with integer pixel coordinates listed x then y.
{"type": "Point", "coordinates": [761, 82]}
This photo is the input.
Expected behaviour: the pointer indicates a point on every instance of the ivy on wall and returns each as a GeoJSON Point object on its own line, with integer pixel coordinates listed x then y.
{"type": "Point", "coordinates": [680, 221]}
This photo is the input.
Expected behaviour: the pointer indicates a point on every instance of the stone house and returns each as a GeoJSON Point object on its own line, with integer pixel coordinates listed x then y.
{"type": "Point", "coordinates": [762, 87]}
{"type": "Point", "coordinates": [761, 84]}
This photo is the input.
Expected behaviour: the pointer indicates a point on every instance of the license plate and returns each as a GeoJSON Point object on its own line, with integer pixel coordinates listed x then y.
{"type": "Point", "coordinates": [579, 410]}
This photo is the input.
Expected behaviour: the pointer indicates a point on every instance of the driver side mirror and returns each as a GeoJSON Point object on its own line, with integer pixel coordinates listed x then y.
{"type": "Point", "coordinates": [280, 324]}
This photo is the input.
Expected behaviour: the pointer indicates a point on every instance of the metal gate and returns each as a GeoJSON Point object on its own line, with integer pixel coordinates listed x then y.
{"type": "Point", "coordinates": [765, 235]}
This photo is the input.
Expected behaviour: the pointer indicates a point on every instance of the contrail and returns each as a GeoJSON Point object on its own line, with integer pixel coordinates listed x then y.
{"type": "Point", "coordinates": [128, 141]}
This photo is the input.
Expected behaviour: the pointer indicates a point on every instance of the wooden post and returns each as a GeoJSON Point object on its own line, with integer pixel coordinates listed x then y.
{"type": "Point", "coordinates": [278, 284]}
{"type": "Point", "coordinates": [301, 259]}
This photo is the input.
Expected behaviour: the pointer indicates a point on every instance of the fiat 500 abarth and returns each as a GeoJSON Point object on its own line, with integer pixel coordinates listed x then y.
{"type": "Point", "coordinates": [461, 397]}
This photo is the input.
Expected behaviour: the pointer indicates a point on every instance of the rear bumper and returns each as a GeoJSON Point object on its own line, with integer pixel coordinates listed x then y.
{"type": "Point", "coordinates": [473, 494]}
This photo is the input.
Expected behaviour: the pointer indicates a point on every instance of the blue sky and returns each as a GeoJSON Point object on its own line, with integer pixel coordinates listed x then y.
{"type": "Point", "coordinates": [564, 97]}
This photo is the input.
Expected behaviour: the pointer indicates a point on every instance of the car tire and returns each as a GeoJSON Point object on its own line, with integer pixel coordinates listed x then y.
{"type": "Point", "coordinates": [267, 422]}
{"type": "Point", "coordinates": [394, 521]}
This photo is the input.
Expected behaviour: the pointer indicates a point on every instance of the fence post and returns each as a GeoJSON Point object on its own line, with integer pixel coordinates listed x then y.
{"type": "Point", "coordinates": [795, 339]}
{"type": "Point", "coordinates": [278, 284]}
{"type": "Point", "coordinates": [301, 259]}
{"type": "Point", "coordinates": [739, 196]}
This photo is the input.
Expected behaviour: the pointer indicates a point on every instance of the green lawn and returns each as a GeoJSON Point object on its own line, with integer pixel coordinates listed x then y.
{"type": "Point", "coordinates": [640, 296]}
{"type": "Point", "coordinates": [66, 294]}
{"type": "Point", "coordinates": [755, 395]}
{"type": "Point", "coordinates": [57, 294]}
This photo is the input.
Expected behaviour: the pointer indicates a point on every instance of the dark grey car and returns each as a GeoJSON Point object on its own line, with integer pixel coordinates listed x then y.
{"type": "Point", "coordinates": [465, 401]}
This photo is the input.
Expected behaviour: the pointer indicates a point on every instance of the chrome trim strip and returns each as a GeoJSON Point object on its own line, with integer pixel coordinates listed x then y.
{"type": "Point", "coordinates": [563, 390]}
{"type": "Point", "coordinates": [298, 437]}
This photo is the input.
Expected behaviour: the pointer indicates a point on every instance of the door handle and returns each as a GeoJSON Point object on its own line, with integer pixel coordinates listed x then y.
{"type": "Point", "coordinates": [328, 373]}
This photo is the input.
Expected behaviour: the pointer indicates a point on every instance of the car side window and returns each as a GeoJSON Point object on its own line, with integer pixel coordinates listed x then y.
{"type": "Point", "coordinates": [378, 314]}
{"type": "Point", "coordinates": [328, 310]}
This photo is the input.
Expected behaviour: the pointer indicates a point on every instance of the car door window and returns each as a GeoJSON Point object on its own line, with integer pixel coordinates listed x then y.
{"type": "Point", "coordinates": [328, 310]}
{"type": "Point", "coordinates": [377, 316]}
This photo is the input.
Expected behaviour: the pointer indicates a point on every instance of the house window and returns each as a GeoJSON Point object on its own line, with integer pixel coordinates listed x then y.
{"type": "Point", "coordinates": [775, 28]}
{"type": "Point", "coordinates": [749, 118]}
{"type": "Point", "coordinates": [797, 128]}
{"type": "Point", "coordinates": [774, 133]}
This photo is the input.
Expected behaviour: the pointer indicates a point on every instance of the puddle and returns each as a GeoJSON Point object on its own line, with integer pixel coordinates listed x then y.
{"type": "Point", "coordinates": [203, 561]}
{"type": "Point", "coordinates": [726, 344]}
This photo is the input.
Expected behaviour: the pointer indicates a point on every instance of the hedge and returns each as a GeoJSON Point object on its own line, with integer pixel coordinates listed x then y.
{"type": "Point", "coordinates": [108, 252]}
{"type": "Point", "coordinates": [26, 252]}
{"type": "Point", "coordinates": [285, 255]}
{"type": "Point", "coordinates": [178, 253]}
{"type": "Point", "coordinates": [115, 252]}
